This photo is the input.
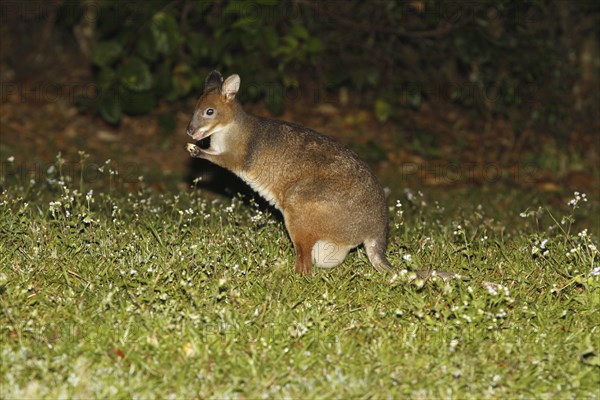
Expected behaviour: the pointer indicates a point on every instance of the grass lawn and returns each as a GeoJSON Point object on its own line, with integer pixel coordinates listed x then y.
{"type": "Point", "coordinates": [132, 293]}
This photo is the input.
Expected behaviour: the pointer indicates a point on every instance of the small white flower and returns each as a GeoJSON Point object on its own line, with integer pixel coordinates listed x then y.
{"type": "Point", "coordinates": [454, 343]}
{"type": "Point", "coordinates": [407, 257]}
{"type": "Point", "coordinates": [11, 159]}
{"type": "Point", "coordinates": [491, 288]}
{"type": "Point", "coordinates": [578, 197]}
{"type": "Point", "coordinates": [458, 230]}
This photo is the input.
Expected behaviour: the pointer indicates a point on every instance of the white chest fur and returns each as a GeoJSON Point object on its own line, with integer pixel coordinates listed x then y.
{"type": "Point", "coordinates": [218, 140]}
{"type": "Point", "coordinates": [261, 188]}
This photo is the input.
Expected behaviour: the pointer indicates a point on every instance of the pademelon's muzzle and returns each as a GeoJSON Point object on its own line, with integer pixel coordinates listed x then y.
{"type": "Point", "coordinates": [197, 133]}
{"type": "Point", "coordinates": [190, 130]}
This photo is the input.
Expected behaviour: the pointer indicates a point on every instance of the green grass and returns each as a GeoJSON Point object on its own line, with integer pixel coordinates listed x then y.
{"type": "Point", "coordinates": [148, 295]}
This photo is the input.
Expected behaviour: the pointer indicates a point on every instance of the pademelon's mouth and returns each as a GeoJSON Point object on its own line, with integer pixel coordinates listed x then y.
{"type": "Point", "coordinates": [201, 134]}
{"type": "Point", "coordinates": [203, 142]}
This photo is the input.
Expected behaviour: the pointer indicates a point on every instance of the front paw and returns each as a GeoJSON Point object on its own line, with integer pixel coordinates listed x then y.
{"type": "Point", "coordinates": [194, 150]}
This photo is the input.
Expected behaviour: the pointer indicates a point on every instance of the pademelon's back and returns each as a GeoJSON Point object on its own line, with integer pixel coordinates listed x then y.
{"type": "Point", "coordinates": [293, 147]}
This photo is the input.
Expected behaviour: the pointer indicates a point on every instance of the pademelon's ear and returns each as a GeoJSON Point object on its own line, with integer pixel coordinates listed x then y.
{"type": "Point", "coordinates": [213, 82]}
{"type": "Point", "coordinates": [230, 87]}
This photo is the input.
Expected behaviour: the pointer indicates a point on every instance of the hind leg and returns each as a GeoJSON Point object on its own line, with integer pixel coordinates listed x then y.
{"type": "Point", "coordinates": [376, 252]}
{"type": "Point", "coordinates": [303, 249]}
{"type": "Point", "coordinates": [328, 255]}
{"type": "Point", "coordinates": [303, 243]}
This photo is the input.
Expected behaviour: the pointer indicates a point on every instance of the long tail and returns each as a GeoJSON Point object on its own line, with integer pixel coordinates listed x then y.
{"type": "Point", "coordinates": [376, 253]}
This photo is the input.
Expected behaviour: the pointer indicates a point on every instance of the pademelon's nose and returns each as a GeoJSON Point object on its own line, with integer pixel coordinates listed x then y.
{"type": "Point", "coordinates": [190, 130]}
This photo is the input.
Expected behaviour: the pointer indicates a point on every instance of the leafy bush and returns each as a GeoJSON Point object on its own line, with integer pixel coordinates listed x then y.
{"type": "Point", "coordinates": [519, 60]}
{"type": "Point", "coordinates": [151, 51]}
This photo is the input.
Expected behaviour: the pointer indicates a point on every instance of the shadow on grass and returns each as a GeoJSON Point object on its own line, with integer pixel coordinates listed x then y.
{"type": "Point", "coordinates": [220, 181]}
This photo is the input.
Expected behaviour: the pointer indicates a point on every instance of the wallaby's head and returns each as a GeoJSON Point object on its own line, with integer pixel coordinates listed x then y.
{"type": "Point", "coordinates": [216, 108]}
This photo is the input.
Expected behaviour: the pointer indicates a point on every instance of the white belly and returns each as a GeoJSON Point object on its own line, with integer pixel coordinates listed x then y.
{"type": "Point", "coordinates": [261, 189]}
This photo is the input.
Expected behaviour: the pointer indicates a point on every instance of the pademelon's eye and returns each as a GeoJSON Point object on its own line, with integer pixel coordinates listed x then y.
{"type": "Point", "coordinates": [209, 112]}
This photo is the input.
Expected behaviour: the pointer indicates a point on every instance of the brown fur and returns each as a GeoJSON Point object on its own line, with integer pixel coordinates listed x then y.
{"type": "Point", "coordinates": [324, 190]}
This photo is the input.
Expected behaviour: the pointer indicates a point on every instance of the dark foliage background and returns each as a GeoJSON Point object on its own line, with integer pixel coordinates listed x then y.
{"type": "Point", "coordinates": [534, 62]}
